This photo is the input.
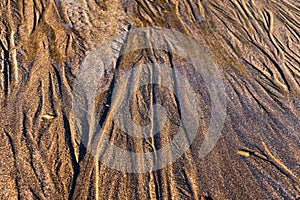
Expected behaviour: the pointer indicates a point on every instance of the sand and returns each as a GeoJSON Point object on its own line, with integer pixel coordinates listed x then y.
{"type": "Point", "coordinates": [93, 93]}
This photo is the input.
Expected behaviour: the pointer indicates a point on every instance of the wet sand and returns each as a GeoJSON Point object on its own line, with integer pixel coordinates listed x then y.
{"type": "Point", "coordinates": [50, 151]}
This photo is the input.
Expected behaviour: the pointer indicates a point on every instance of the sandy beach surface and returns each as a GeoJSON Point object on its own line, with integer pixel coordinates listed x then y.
{"type": "Point", "coordinates": [142, 99]}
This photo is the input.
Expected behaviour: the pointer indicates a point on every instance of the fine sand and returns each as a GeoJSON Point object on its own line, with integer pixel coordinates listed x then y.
{"type": "Point", "coordinates": [51, 147]}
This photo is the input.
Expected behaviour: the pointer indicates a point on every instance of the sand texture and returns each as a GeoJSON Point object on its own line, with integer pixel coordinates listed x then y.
{"type": "Point", "coordinates": [50, 142]}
